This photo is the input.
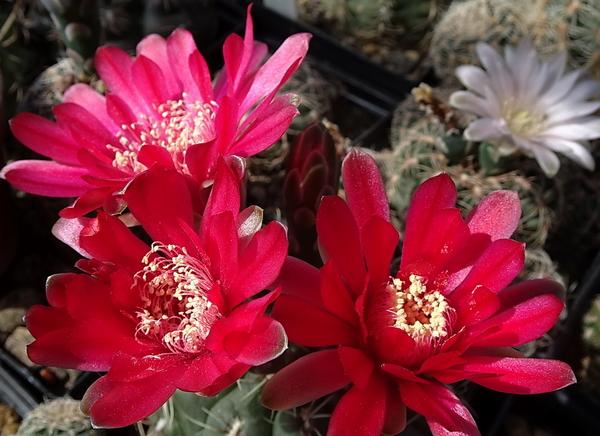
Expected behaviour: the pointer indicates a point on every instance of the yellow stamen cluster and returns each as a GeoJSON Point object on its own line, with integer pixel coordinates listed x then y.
{"type": "Point", "coordinates": [521, 122]}
{"type": "Point", "coordinates": [176, 126]}
{"type": "Point", "coordinates": [176, 309]}
{"type": "Point", "coordinates": [417, 311]}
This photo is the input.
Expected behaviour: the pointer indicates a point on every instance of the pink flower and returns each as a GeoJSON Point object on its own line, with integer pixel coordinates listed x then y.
{"type": "Point", "coordinates": [447, 315]}
{"type": "Point", "coordinates": [182, 313]}
{"type": "Point", "coordinates": [162, 108]}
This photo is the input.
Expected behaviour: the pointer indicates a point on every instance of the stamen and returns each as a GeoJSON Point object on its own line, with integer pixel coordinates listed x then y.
{"type": "Point", "coordinates": [425, 315]}
{"type": "Point", "coordinates": [178, 126]}
{"type": "Point", "coordinates": [174, 288]}
{"type": "Point", "coordinates": [520, 121]}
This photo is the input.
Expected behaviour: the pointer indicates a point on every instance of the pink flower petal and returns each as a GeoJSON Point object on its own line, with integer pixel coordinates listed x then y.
{"type": "Point", "coordinates": [91, 100]}
{"type": "Point", "coordinates": [364, 188]}
{"type": "Point", "coordinates": [47, 178]}
{"type": "Point", "coordinates": [263, 128]}
{"type": "Point", "coordinates": [269, 77]}
{"type": "Point", "coordinates": [521, 292]}
{"type": "Point", "coordinates": [306, 379]}
{"type": "Point", "coordinates": [150, 81]}
{"type": "Point", "coordinates": [68, 231]}
{"type": "Point", "coordinates": [86, 129]}
{"type": "Point", "coordinates": [87, 202]}
{"type": "Point", "coordinates": [360, 412]}
{"type": "Point", "coordinates": [45, 137]}
{"type": "Point", "coordinates": [521, 375]}
{"type": "Point", "coordinates": [497, 215]}
{"type": "Point", "coordinates": [432, 196]}
{"type": "Point", "coordinates": [180, 46]}
{"type": "Point", "coordinates": [154, 47]}
{"type": "Point", "coordinates": [114, 67]}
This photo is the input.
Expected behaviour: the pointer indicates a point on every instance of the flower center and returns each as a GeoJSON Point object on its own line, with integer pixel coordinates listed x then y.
{"type": "Point", "coordinates": [521, 122]}
{"type": "Point", "coordinates": [176, 310]}
{"type": "Point", "coordinates": [423, 314]}
{"type": "Point", "coordinates": [176, 126]}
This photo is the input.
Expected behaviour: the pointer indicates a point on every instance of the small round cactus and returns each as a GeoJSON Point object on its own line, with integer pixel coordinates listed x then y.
{"type": "Point", "coordinates": [60, 417]}
{"type": "Point", "coordinates": [497, 22]}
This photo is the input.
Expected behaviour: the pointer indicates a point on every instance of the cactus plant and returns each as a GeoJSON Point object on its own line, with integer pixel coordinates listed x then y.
{"type": "Point", "coordinates": [497, 22]}
{"type": "Point", "coordinates": [59, 417]}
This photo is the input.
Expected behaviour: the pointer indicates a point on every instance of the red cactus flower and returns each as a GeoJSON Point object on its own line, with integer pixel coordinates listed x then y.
{"type": "Point", "coordinates": [447, 315]}
{"type": "Point", "coordinates": [179, 314]}
{"type": "Point", "coordinates": [162, 108]}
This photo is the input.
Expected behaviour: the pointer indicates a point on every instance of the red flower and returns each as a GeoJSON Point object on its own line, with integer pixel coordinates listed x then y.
{"type": "Point", "coordinates": [446, 316]}
{"type": "Point", "coordinates": [176, 315]}
{"type": "Point", "coordinates": [162, 108]}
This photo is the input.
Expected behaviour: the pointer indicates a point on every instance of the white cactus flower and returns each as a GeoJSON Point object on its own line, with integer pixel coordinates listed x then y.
{"type": "Point", "coordinates": [529, 105]}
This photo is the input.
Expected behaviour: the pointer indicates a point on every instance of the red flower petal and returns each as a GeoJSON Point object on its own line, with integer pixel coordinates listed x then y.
{"type": "Point", "coordinates": [52, 349]}
{"type": "Point", "coordinates": [474, 306]}
{"type": "Point", "coordinates": [432, 196]}
{"type": "Point", "coordinates": [339, 234]}
{"type": "Point", "coordinates": [112, 404]}
{"type": "Point", "coordinates": [259, 264]}
{"type": "Point", "coordinates": [520, 324]}
{"type": "Point", "coordinates": [495, 269]}
{"type": "Point", "coordinates": [364, 188]}
{"type": "Point", "coordinates": [300, 279]}
{"type": "Point", "coordinates": [206, 369]}
{"type": "Point", "coordinates": [379, 241]}
{"type": "Point", "coordinates": [442, 409]}
{"type": "Point", "coordinates": [446, 236]}
{"type": "Point", "coordinates": [520, 375]}
{"type": "Point", "coordinates": [357, 365]}
{"type": "Point", "coordinates": [521, 292]}
{"type": "Point", "coordinates": [336, 298]}
{"type": "Point", "coordinates": [265, 342]}
{"type": "Point", "coordinates": [395, 412]}
{"type": "Point", "coordinates": [496, 215]}
{"type": "Point", "coordinates": [160, 200]}
{"type": "Point", "coordinates": [106, 238]}
{"type": "Point", "coordinates": [360, 412]}
{"type": "Point", "coordinates": [306, 379]}
{"type": "Point", "coordinates": [308, 325]}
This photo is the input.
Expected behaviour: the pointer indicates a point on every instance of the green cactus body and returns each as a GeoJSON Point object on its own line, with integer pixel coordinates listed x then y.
{"type": "Point", "coordinates": [573, 25]}
{"type": "Point", "coordinates": [60, 417]}
{"type": "Point", "coordinates": [497, 22]}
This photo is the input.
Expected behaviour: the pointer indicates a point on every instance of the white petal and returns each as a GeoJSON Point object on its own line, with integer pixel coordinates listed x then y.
{"type": "Point", "coordinates": [556, 68]}
{"type": "Point", "coordinates": [501, 80]}
{"type": "Point", "coordinates": [560, 88]}
{"type": "Point", "coordinates": [562, 112]}
{"type": "Point", "coordinates": [547, 159]}
{"type": "Point", "coordinates": [471, 103]}
{"type": "Point", "coordinates": [584, 128]}
{"type": "Point", "coordinates": [573, 150]}
{"type": "Point", "coordinates": [485, 128]}
{"type": "Point", "coordinates": [473, 78]}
